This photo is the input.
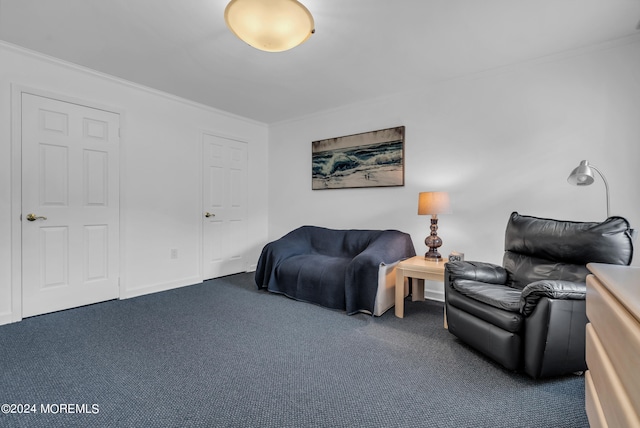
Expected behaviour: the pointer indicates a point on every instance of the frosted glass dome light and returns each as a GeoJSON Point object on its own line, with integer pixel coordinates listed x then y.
{"type": "Point", "coordinates": [270, 25]}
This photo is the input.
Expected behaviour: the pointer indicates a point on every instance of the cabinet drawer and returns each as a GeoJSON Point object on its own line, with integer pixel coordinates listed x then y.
{"type": "Point", "coordinates": [619, 333]}
{"type": "Point", "coordinates": [616, 405]}
{"type": "Point", "coordinates": [592, 403]}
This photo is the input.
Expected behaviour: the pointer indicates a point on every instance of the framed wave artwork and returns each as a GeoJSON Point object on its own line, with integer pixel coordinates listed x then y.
{"type": "Point", "coordinates": [370, 159]}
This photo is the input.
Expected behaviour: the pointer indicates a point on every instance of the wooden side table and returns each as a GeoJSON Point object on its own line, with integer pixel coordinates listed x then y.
{"type": "Point", "coordinates": [420, 268]}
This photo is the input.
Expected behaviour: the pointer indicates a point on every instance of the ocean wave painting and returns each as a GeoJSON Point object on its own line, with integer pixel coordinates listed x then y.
{"type": "Point", "coordinates": [371, 159]}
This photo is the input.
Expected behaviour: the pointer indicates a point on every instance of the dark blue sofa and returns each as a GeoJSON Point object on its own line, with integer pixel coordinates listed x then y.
{"type": "Point", "coordinates": [337, 269]}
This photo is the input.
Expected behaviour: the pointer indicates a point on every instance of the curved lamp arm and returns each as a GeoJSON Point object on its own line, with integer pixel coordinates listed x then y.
{"type": "Point", "coordinates": [606, 186]}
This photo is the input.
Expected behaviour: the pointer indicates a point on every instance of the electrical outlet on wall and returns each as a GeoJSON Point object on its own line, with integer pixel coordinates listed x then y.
{"type": "Point", "coordinates": [174, 253]}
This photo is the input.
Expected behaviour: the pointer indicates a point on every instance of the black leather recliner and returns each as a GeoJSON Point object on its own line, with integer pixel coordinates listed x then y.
{"type": "Point", "coordinates": [529, 314]}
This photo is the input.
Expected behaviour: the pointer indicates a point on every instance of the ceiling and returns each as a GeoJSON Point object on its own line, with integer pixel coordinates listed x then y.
{"type": "Point", "coordinates": [362, 49]}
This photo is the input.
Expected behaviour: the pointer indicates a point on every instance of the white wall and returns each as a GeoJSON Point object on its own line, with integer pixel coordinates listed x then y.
{"type": "Point", "coordinates": [160, 171]}
{"type": "Point", "coordinates": [498, 142]}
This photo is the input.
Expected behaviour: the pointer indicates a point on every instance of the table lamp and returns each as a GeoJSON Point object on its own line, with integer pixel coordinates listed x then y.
{"type": "Point", "coordinates": [433, 203]}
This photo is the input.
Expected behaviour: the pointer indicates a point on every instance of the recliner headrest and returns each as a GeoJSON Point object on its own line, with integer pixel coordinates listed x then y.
{"type": "Point", "coordinates": [569, 241]}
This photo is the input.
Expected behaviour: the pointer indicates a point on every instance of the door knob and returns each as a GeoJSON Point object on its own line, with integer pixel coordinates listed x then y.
{"type": "Point", "coordinates": [33, 217]}
{"type": "Point", "coordinates": [208, 214]}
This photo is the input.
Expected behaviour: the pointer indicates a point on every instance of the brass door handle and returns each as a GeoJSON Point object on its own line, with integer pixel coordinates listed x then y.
{"type": "Point", "coordinates": [208, 214]}
{"type": "Point", "coordinates": [33, 217]}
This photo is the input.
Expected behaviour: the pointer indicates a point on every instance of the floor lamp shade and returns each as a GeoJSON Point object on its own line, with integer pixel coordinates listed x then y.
{"type": "Point", "coordinates": [433, 203]}
{"type": "Point", "coordinates": [583, 175]}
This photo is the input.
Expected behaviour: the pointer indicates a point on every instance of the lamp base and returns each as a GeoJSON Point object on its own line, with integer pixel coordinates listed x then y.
{"type": "Point", "coordinates": [433, 241]}
{"type": "Point", "coordinates": [432, 254]}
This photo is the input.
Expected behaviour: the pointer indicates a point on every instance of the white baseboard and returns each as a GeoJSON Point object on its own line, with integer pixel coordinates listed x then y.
{"type": "Point", "coordinates": [434, 295]}
{"type": "Point", "coordinates": [434, 290]}
{"type": "Point", "coordinates": [164, 286]}
{"type": "Point", "coordinates": [6, 318]}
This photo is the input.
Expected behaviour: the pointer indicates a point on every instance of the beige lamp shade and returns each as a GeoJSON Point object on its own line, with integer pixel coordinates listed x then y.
{"type": "Point", "coordinates": [269, 25]}
{"type": "Point", "coordinates": [433, 203]}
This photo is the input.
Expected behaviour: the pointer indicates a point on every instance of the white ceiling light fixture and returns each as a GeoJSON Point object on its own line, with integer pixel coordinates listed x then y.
{"type": "Point", "coordinates": [270, 25]}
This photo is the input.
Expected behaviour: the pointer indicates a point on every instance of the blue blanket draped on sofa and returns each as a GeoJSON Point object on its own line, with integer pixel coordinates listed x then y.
{"type": "Point", "coordinates": [337, 269]}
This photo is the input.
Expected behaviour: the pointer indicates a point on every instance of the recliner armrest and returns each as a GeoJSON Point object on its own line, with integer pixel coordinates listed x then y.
{"type": "Point", "coordinates": [477, 271]}
{"type": "Point", "coordinates": [554, 289]}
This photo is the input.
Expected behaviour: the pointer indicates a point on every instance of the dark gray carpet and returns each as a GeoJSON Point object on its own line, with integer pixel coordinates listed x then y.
{"type": "Point", "coordinates": [223, 354]}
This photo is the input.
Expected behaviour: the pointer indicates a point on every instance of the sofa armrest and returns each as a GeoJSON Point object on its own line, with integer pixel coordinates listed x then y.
{"type": "Point", "coordinates": [293, 243]}
{"type": "Point", "coordinates": [476, 271]}
{"type": "Point", "coordinates": [390, 247]}
{"type": "Point", "coordinates": [361, 281]}
{"type": "Point", "coordinates": [554, 289]}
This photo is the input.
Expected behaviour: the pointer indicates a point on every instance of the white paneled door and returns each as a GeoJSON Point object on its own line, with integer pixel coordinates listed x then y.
{"type": "Point", "coordinates": [70, 205]}
{"type": "Point", "coordinates": [225, 206]}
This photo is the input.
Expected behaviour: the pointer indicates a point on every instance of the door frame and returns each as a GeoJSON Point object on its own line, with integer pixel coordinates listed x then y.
{"type": "Point", "coordinates": [204, 132]}
{"type": "Point", "coordinates": [16, 188]}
